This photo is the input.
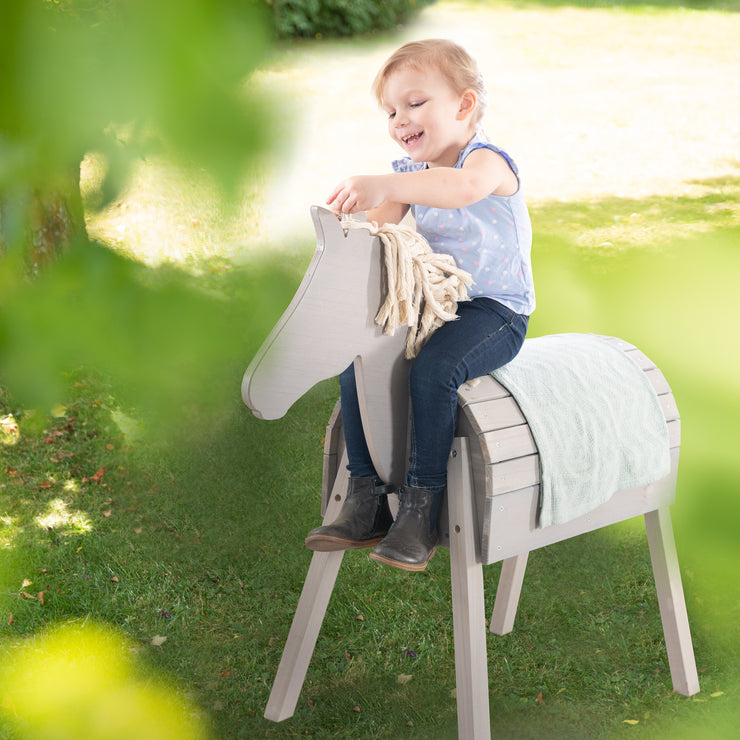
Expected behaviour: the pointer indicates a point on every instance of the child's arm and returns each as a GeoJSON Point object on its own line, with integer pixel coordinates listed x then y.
{"type": "Point", "coordinates": [388, 213]}
{"type": "Point", "coordinates": [484, 172]}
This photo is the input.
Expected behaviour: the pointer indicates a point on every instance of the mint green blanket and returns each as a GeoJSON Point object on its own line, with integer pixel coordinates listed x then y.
{"type": "Point", "coordinates": [595, 419]}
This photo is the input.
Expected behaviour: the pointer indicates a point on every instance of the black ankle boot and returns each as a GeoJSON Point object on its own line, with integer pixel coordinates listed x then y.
{"type": "Point", "coordinates": [362, 522]}
{"type": "Point", "coordinates": [412, 540]}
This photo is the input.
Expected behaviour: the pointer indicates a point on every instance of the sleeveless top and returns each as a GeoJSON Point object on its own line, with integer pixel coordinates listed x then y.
{"type": "Point", "coordinates": [490, 239]}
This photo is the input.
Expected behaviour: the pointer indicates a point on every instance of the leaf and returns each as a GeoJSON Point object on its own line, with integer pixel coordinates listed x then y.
{"type": "Point", "coordinates": [10, 618]}
{"type": "Point", "coordinates": [26, 583]}
{"type": "Point", "coordinates": [96, 476]}
{"type": "Point", "coordinates": [403, 678]}
{"type": "Point", "coordinates": [158, 640]}
{"type": "Point", "coordinates": [41, 598]}
{"type": "Point", "coordinates": [631, 722]}
{"type": "Point", "coordinates": [715, 694]}
{"type": "Point", "coordinates": [540, 699]}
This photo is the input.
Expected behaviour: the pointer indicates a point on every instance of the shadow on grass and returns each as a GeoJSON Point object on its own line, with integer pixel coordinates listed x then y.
{"type": "Point", "coordinates": [616, 224]}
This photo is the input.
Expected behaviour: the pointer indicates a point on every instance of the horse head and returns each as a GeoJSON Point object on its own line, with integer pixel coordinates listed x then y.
{"type": "Point", "coordinates": [328, 325]}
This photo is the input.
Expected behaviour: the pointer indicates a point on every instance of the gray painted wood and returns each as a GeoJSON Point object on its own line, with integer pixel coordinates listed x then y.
{"type": "Point", "coordinates": [490, 512]}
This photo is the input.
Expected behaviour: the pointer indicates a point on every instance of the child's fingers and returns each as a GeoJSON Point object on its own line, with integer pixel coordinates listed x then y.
{"type": "Point", "coordinates": [342, 201]}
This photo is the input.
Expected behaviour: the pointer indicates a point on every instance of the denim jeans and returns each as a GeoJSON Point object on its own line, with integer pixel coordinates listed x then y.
{"type": "Point", "coordinates": [485, 336]}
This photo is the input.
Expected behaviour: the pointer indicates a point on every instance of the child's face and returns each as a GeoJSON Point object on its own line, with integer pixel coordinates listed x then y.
{"type": "Point", "coordinates": [426, 117]}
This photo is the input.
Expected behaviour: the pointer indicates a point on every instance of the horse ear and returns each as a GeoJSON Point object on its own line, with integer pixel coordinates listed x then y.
{"type": "Point", "coordinates": [327, 224]}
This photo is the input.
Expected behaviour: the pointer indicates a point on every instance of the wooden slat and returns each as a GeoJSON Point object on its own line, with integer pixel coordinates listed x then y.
{"type": "Point", "coordinates": [505, 444]}
{"type": "Point", "coordinates": [642, 360]}
{"type": "Point", "coordinates": [333, 448]}
{"type": "Point", "coordinates": [674, 433]}
{"type": "Point", "coordinates": [479, 389]}
{"type": "Point", "coordinates": [617, 342]}
{"type": "Point", "coordinates": [511, 475]}
{"type": "Point", "coordinates": [499, 413]}
{"type": "Point", "coordinates": [668, 404]}
{"type": "Point", "coordinates": [658, 381]}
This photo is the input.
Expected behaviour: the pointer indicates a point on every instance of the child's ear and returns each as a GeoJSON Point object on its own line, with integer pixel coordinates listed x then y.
{"type": "Point", "coordinates": [468, 103]}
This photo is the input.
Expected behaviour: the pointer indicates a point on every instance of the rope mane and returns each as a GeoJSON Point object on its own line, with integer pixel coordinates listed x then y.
{"type": "Point", "coordinates": [423, 287]}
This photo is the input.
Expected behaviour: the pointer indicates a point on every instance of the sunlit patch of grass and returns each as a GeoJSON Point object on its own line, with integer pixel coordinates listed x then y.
{"type": "Point", "coordinates": [7, 527]}
{"type": "Point", "coordinates": [58, 516]}
{"type": "Point", "coordinates": [9, 430]}
{"type": "Point", "coordinates": [613, 224]}
{"type": "Point", "coordinates": [170, 214]}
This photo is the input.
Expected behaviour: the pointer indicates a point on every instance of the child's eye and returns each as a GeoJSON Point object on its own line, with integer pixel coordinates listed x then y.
{"type": "Point", "coordinates": [418, 104]}
{"type": "Point", "coordinates": [392, 115]}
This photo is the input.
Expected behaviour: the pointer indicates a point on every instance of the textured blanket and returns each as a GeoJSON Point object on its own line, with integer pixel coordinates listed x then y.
{"type": "Point", "coordinates": [595, 419]}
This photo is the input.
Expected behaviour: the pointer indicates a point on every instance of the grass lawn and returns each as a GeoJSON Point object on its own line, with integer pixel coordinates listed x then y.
{"type": "Point", "coordinates": [191, 547]}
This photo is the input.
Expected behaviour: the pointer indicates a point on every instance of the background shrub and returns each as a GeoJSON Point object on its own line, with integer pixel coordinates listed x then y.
{"type": "Point", "coordinates": [317, 18]}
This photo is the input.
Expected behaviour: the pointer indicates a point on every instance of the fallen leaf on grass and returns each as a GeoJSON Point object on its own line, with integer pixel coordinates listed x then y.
{"type": "Point", "coordinates": [403, 678]}
{"type": "Point", "coordinates": [96, 476]}
{"type": "Point", "coordinates": [715, 694]}
{"type": "Point", "coordinates": [114, 579]}
{"type": "Point", "coordinates": [10, 618]}
{"type": "Point", "coordinates": [46, 484]}
{"type": "Point", "coordinates": [26, 595]}
{"type": "Point", "coordinates": [41, 598]}
{"type": "Point", "coordinates": [158, 640]}
{"type": "Point", "coordinates": [540, 699]}
{"type": "Point", "coordinates": [355, 709]}
{"type": "Point", "coordinates": [631, 722]}
{"type": "Point", "coordinates": [26, 583]}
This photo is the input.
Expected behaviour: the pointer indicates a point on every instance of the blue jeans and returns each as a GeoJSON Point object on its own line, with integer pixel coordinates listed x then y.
{"type": "Point", "coordinates": [485, 336]}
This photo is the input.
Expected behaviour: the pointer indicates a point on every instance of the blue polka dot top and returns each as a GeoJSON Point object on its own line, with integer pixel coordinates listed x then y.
{"type": "Point", "coordinates": [490, 239]}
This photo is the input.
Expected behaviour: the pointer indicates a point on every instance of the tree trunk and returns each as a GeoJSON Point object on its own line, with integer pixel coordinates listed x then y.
{"type": "Point", "coordinates": [44, 223]}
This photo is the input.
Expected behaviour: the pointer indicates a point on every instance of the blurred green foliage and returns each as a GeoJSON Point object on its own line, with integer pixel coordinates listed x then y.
{"type": "Point", "coordinates": [81, 682]}
{"type": "Point", "coordinates": [317, 18]}
{"type": "Point", "coordinates": [125, 80]}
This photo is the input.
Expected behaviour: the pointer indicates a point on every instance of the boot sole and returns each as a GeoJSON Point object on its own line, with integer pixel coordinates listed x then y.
{"type": "Point", "coordinates": [325, 543]}
{"type": "Point", "coordinates": [410, 567]}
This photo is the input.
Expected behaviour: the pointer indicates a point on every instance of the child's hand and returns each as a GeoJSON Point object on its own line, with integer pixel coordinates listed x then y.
{"type": "Point", "coordinates": [360, 193]}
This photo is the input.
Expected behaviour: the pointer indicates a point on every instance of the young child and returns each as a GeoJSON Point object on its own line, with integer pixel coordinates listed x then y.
{"type": "Point", "coordinates": [466, 198]}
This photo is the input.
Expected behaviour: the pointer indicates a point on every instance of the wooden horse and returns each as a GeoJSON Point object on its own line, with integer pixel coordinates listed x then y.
{"type": "Point", "coordinates": [493, 472]}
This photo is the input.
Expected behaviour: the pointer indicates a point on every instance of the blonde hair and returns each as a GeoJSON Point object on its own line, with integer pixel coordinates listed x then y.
{"type": "Point", "coordinates": [450, 59]}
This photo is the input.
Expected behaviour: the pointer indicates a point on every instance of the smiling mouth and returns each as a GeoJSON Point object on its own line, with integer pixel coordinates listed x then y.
{"type": "Point", "coordinates": [412, 138]}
